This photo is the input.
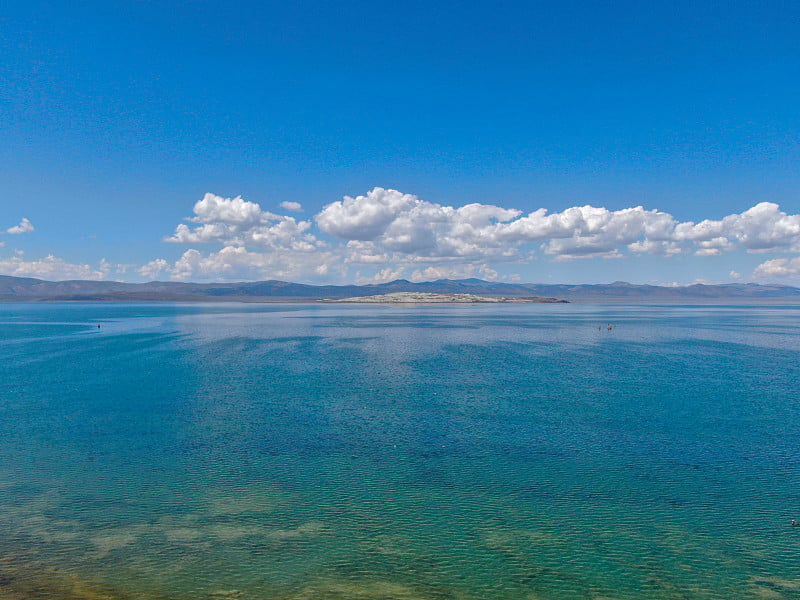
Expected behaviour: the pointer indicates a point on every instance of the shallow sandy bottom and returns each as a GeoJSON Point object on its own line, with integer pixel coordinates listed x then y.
{"type": "Point", "coordinates": [36, 582]}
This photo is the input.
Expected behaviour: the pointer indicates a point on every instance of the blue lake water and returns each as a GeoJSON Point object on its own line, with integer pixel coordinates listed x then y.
{"type": "Point", "coordinates": [329, 452]}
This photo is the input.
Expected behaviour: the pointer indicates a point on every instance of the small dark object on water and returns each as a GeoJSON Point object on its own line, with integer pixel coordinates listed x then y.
{"type": "Point", "coordinates": [795, 523]}
{"type": "Point", "coordinates": [98, 325]}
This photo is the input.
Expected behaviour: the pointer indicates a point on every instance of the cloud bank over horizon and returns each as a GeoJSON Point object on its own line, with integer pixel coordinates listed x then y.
{"type": "Point", "coordinates": [53, 268]}
{"type": "Point", "coordinates": [386, 234]}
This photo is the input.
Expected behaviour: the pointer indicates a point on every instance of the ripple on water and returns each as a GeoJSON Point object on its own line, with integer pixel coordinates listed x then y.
{"type": "Point", "coordinates": [483, 458]}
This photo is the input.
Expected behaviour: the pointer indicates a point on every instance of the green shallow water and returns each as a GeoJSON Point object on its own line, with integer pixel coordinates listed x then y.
{"type": "Point", "coordinates": [370, 452]}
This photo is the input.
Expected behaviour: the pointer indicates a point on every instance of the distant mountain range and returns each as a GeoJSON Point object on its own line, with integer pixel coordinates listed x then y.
{"type": "Point", "coordinates": [16, 289]}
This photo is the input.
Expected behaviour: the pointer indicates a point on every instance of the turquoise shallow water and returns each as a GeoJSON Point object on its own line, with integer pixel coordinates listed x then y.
{"type": "Point", "coordinates": [314, 452]}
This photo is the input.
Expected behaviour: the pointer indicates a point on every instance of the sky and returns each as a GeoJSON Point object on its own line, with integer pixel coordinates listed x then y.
{"type": "Point", "coordinates": [361, 142]}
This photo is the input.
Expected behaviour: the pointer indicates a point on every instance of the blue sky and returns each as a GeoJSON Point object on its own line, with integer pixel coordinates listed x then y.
{"type": "Point", "coordinates": [158, 140]}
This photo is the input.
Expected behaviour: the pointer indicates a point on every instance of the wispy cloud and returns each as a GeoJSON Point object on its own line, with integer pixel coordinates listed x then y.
{"type": "Point", "coordinates": [292, 206]}
{"type": "Point", "coordinates": [25, 226]}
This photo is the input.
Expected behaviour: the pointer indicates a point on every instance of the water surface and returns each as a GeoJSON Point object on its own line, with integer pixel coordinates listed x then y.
{"type": "Point", "coordinates": [315, 452]}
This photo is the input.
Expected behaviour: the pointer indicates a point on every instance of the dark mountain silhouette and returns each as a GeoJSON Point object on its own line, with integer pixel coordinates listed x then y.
{"type": "Point", "coordinates": [29, 289]}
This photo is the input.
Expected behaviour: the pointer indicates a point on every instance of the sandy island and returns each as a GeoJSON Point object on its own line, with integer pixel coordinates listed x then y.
{"type": "Point", "coordinates": [429, 298]}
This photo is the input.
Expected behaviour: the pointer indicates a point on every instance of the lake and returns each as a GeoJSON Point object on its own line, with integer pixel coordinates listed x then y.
{"type": "Point", "coordinates": [359, 452]}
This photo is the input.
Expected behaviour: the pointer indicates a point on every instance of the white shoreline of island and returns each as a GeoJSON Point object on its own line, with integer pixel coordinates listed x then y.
{"type": "Point", "coordinates": [431, 298]}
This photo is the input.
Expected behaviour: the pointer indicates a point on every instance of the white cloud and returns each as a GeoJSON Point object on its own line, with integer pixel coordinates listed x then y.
{"type": "Point", "coordinates": [658, 248]}
{"type": "Point", "coordinates": [51, 267]}
{"type": "Point", "coordinates": [778, 267]}
{"type": "Point", "coordinates": [365, 217]}
{"type": "Point", "coordinates": [431, 273]}
{"type": "Point", "coordinates": [454, 272]}
{"type": "Point", "coordinates": [25, 226]}
{"type": "Point", "coordinates": [385, 234]}
{"type": "Point", "coordinates": [387, 221]}
{"type": "Point", "coordinates": [395, 222]}
{"type": "Point", "coordinates": [255, 244]}
{"type": "Point", "coordinates": [154, 269]}
{"type": "Point", "coordinates": [762, 228]}
{"type": "Point", "coordinates": [233, 263]}
{"type": "Point", "coordinates": [382, 276]}
{"type": "Point", "coordinates": [233, 221]}
{"type": "Point", "coordinates": [234, 211]}
{"type": "Point", "coordinates": [713, 247]}
{"type": "Point", "coordinates": [293, 206]}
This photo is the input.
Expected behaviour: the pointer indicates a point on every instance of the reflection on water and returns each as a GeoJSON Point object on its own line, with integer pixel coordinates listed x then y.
{"type": "Point", "coordinates": [452, 453]}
